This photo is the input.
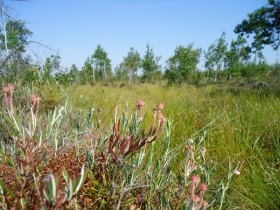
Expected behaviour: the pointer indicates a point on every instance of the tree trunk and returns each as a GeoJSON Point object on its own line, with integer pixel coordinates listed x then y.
{"type": "Point", "coordinates": [3, 13]}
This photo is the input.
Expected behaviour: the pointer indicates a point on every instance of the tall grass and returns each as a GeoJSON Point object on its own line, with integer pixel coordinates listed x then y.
{"type": "Point", "coordinates": [239, 122]}
{"type": "Point", "coordinates": [215, 132]}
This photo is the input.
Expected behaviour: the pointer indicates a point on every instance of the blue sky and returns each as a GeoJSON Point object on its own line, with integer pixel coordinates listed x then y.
{"type": "Point", "coordinates": [74, 28]}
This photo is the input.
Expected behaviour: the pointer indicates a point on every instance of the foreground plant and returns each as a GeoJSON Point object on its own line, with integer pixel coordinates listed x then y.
{"type": "Point", "coordinates": [56, 197]}
{"type": "Point", "coordinates": [25, 160]}
{"type": "Point", "coordinates": [197, 192]}
{"type": "Point", "coordinates": [8, 97]}
{"type": "Point", "coordinates": [231, 173]}
{"type": "Point", "coordinates": [128, 165]}
{"type": "Point", "coordinates": [120, 158]}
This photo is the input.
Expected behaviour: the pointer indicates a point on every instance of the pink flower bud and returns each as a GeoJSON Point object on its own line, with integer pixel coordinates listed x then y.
{"type": "Point", "coordinates": [203, 186]}
{"type": "Point", "coordinates": [140, 103]}
{"type": "Point", "coordinates": [196, 198]}
{"type": "Point", "coordinates": [160, 106]}
{"type": "Point", "coordinates": [160, 115]}
{"type": "Point", "coordinates": [5, 89]}
{"type": "Point", "coordinates": [35, 98]}
{"type": "Point", "coordinates": [204, 203]}
{"type": "Point", "coordinates": [195, 179]}
{"type": "Point", "coordinates": [237, 172]}
{"type": "Point", "coordinates": [11, 87]}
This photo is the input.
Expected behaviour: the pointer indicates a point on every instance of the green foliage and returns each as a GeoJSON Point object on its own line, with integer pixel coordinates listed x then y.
{"type": "Point", "coordinates": [51, 67]}
{"type": "Point", "coordinates": [102, 63]}
{"type": "Point", "coordinates": [254, 70]}
{"type": "Point", "coordinates": [14, 37]}
{"type": "Point", "coordinates": [74, 74]}
{"type": "Point", "coordinates": [32, 75]}
{"type": "Point", "coordinates": [88, 73]}
{"type": "Point", "coordinates": [127, 165]}
{"type": "Point", "coordinates": [50, 190]}
{"type": "Point", "coordinates": [182, 64]}
{"type": "Point", "coordinates": [129, 67]}
{"type": "Point", "coordinates": [17, 36]}
{"type": "Point", "coordinates": [215, 56]}
{"type": "Point", "coordinates": [237, 55]}
{"type": "Point", "coordinates": [150, 66]}
{"type": "Point", "coordinates": [264, 24]}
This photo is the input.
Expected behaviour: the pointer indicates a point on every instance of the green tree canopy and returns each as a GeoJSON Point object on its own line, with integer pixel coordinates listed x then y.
{"type": "Point", "coordinates": [74, 74]}
{"type": "Point", "coordinates": [51, 66]}
{"type": "Point", "coordinates": [14, 37]}
{"type": "Point", "coordinates": [130, 65]}
{"type": "Point", "coordinates": [182, 64]}
{"type": "Point", "coordinates": [88, 73]}
{"type": "Point", "coordinates": [238, 53]}
{"type": "Point", "coordinates": [102, 63]}
{"type": "Point", "coordinates": [216, 54]}
{"type": "Point", "coordinates": [263, 24]}
{"type": "Point", "coordinates": [237, 56]}
{"type": "Point", "coordinates": [150, 65]}
{"type": "Point", "coordinates": [17, 36]}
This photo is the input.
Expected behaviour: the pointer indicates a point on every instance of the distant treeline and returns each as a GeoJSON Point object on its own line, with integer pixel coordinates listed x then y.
{"type": "Point", "coordinates": [222, 60]}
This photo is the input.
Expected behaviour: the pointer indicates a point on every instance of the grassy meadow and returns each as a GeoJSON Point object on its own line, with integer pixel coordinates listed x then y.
{"type": "Point", "coordinates": [228, 135]}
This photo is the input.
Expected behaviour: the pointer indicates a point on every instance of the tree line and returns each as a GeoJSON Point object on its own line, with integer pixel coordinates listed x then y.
{"type": "Point", "coordinates": [221, 60]}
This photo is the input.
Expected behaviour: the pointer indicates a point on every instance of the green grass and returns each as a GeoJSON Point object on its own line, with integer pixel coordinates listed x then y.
{"type": "Point", "coordinates": [244, 127]}
{"type": "Point", "coordinates": [235, 122]}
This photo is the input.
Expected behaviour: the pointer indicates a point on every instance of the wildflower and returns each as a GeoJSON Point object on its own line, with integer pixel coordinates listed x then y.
{"type": "Point", "coordinates": [140, 106]}
{"type": "Point", "coordinates": [8, 97]}
{"type": "Point", "coordinates": [5, 89]}
{"type": "Point", "coordinates": [35, 99]}
{"type": "Point", "coordinates": [195, 179]}
{"type": "Point", "coordinates": [237, 172]}
{"type": "Point", "coordinates": [203, 186]}
{"type": "Point", "coordinates": [204, 203]}
{"type": "Point", "coordinates": [140, 103]}
{"type": "Point", "coordinates": [160, 106]}
{"type": "Point", "coordinates": [160, 116]}
{"type": "Point", "coordinates": [196, 198]}
{"type": "Point", "coordinates": [11, 87]}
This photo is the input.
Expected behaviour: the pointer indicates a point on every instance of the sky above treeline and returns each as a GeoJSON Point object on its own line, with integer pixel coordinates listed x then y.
{"type": "Point", "coordinates": [74, 28]}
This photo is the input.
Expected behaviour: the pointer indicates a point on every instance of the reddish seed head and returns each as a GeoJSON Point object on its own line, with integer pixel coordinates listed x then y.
{"type": "Point", "coordinates": [196, 198]}
{"type": "Point", "coordinates": [195, 179]}
{"type": "Point", "coordinates": [140, 103]}
{"type": "Point", "coordinates": [203, 187]}
{"type": "Point", "coordinates": [35, 98]}
{"type": "Point", "coordinates": [160, 106]}
{"type": "Point", "coordinates": [204, 203]}
{"type": "Point", "coordinates": [5, 89]}
{"type": "Point", "coordinates": [11, 87]}
{"type": "Point", "coordinates": [237, 172]}
{"type": "Point", "coordinates": [160, 115]}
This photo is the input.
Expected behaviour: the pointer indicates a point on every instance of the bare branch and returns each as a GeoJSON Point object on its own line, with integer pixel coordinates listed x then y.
{"type": "Point", "coordinates": [43, 45]}
{"type": "Point", "coordinates": [7, 58]}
